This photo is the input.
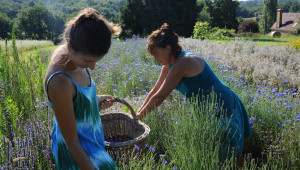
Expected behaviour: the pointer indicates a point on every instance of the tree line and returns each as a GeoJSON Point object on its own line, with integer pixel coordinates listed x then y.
{"type": "Point", "coordinates": [249, 9]}
{"type": "Point", "coordinates": [44, 19]}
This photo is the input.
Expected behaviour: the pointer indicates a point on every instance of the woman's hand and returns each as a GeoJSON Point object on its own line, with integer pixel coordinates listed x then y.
{"type": "Point", "coordinates": [104, 101]}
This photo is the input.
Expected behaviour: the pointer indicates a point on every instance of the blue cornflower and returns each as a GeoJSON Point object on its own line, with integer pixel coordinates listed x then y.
{"type": "Point", "coordinates": [164, 162]}
{"type": "Point", "coordinates": [152, 148]}
{"type": "Point", "coordinates": [146, 146]}
{"type": "Point", "coordinates": [251, 123]}
{"type": "Point", "coordinates": [252, 118]}
{"type": "Point", "coordinates": [136, 147]}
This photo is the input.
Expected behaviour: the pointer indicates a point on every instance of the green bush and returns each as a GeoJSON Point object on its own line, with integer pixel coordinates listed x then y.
{"type": "Point", "coordinates": [201, 30]}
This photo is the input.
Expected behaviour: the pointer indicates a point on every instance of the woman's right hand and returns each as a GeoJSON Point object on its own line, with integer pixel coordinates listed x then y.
{"type": "Point", "coordinates": [104, 101]}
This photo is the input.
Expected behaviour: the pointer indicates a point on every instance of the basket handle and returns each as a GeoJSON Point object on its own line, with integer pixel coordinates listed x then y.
{"type": "Point", "coordinates": [122, 101]}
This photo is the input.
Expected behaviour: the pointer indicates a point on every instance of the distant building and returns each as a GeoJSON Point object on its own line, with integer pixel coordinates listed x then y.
{"type": "Point", "coordinates": [286, 22]}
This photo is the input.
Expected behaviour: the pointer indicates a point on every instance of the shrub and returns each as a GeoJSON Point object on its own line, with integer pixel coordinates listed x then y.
{"type": "Point", "coordinates": [295, 44]}
{"type": "Point", "coordinates": [201, 30]}
{"type": "Point", "coordinates": [248, 26]}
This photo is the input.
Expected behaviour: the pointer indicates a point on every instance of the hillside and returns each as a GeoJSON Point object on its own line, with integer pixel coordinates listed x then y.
{"type": "Point", "coordinates": [63, 8]}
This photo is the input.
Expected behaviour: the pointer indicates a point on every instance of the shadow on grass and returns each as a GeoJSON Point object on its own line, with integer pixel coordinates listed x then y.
{"type": "Point", "coordinates": [267, 40]}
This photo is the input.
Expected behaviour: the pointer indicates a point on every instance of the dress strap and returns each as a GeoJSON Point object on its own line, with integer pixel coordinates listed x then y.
{"type": "Point", "coordinates": [88, 72]}
{"type": "Point", "coordinates": [59, 72]}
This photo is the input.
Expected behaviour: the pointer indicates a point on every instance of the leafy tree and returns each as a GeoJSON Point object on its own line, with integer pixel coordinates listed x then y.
{"type": "Point", "coordinates": [224, 14]}
{"type": "Point", "coordinates": [220, 13]}
{"type": "Point", "coordinates": [5, 26]}
{"type": "Point", "coordinates": [269, 14]}
{"type": "Point", "coordinates": [133, 17]}
{"type": "Point", "coordinates": [35, 23]}
{"type": "Point", "coordinates": [143, 16]}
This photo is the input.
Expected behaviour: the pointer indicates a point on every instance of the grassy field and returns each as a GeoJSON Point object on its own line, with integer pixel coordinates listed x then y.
{"type": "Point", "coordinates": [262, 40]}
{"type": "Point", "coordinates": [181, 131]}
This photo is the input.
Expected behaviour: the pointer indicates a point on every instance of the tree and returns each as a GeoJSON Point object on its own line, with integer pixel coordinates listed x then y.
{"type": "Point", "coordinates": [143, 16]}
{"type": "Point", "coordinates": [34, 23]}
{"type": "Point", "coordinates": [133, 17]}
{"type": "Point", "coordinates": [269, 14]}
{"type": "Point", "coordinates": [220, 13]}
{"type": "Point", "coordinates": [5, 26]}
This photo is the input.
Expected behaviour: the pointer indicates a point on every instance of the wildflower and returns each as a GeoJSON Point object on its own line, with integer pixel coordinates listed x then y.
{"type": "Point", "coordinates": [252, 118]}
{"type": "Point", "coordinates": [278, 123]}
{"type": "Point", "coordinates": [161, 155]}
{"type": "Point", "coordinates": [136, 147]}
{"type": "Point", "coordinates": [175, 167]}
{"type": "Point", "coordinates": [251, 123]}
{"type": "Point", "coordinates": [261, 120]}
{"type": "Point", "coordinates": [146, 145]}
{"type": "Point", "coordinates": [152, 148]}
{"type": "Point", "coordinates": [164, 162]}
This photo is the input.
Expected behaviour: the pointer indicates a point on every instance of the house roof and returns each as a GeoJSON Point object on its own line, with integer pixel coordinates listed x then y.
{"type": "Point", "coordinates": [289, 22]}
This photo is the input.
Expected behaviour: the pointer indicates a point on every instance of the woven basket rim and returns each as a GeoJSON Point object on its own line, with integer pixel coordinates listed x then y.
{"type": "Point", "coordinates": [133, 141]}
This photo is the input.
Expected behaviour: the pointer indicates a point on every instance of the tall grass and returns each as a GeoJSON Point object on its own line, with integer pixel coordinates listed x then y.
{"type": "Point", "coordinates": [25, 45]}
{"type": "Point", "coordinates": [183, 135]}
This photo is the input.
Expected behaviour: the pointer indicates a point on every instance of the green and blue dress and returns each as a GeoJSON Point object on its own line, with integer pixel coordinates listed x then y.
{"type": "Point", "coordinates": [89, 129]}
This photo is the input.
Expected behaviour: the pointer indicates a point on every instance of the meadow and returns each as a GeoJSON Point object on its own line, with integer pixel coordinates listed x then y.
{"type": "Point", "coordinates": [183, 135]}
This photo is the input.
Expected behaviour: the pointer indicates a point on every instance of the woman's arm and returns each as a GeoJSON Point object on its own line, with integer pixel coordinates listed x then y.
{"type": "Point", "coordinates": [160, 80]}
{"type": "Point", "coordinates": [61, 92]}
{"type": "Point", "coordinates": [172, 79]}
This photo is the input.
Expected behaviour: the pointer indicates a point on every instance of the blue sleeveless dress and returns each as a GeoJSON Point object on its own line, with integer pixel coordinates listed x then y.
{"type": "Point", "coordinates": [89, 129]}
{"type": "Point", "coordinates": [233, 113]}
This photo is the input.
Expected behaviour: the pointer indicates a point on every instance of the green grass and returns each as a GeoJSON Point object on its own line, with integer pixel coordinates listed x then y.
{"type": "Point", "coordinates": [263, 40]}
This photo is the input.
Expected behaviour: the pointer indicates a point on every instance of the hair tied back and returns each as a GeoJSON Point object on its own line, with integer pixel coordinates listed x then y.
{"type": "Point", "coordinates": [166, 28]}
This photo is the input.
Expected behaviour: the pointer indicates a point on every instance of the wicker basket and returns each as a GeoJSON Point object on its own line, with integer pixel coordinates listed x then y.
{"type": "Point", "coordinates": [127, 130]}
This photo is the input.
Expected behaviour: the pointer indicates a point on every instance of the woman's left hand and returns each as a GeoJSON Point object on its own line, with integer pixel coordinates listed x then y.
{"type": "Point", "coordinates": [104, 101]}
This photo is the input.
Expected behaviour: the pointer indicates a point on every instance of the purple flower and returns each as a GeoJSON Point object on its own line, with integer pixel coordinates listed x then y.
{"type": "Point", "coordinates": [136, 147]}
{"type": "Point", "coordinates": [146, 146]}
{"type": "Point", "coordinates": [278, 123]}
{"type": "Point", "coordinates": [252, 118]}
{"type": "Point", "coordinates": [164, 162]}
{"type": "Point", "coordinates": [261, 120]}
{"type": "Point", "coordinates": [161, 155]}
{"type": "Point", "coordinates": [251, 123]}
{"type": "Point", "coordinates": [152, 148]}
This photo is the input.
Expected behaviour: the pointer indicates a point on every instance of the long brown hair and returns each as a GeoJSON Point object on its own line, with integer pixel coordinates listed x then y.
{"type": "Point", "coordinates": [162, 37]}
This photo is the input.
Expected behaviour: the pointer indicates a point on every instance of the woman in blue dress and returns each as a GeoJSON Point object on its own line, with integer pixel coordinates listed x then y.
{"type": "Point", "coordinates": [192, 76]}
{"type": "Point", "coordinates": [77, 137]}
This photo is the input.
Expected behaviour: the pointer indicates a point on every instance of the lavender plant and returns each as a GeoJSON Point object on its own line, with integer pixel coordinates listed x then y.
{"type": "Point", "coordinates": [182, 137]}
